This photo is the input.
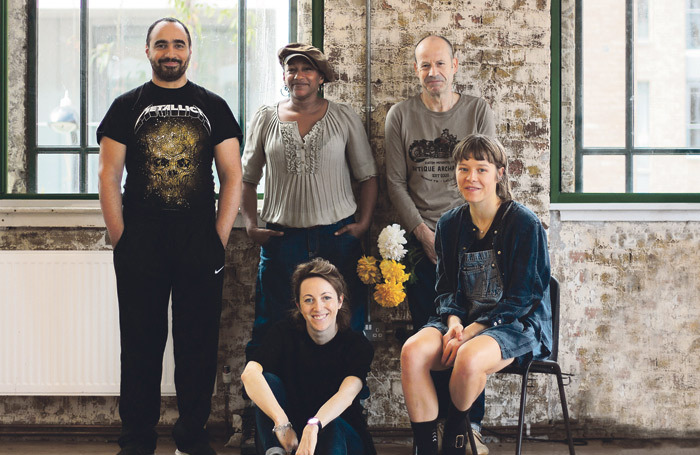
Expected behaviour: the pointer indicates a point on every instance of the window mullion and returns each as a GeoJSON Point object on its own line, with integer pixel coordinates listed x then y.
{"type": "Point", "coordinates": [32, 97]}
{"type": "Point", "coordinates": [242, 34]}
{"type": "Point", "coordinates": [84, 30]}
{"type": "Point", "coordinates": [629, 96]}
{"type": "Point", "coordinates": [578, 117]}
{"type": "Point", "coordinates": [317, 23]}
{"type": "Point", "coordinates": [293, 21]}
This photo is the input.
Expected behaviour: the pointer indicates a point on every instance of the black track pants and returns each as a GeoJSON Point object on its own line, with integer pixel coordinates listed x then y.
{"type": "Point", "coordinates": [153, 258]}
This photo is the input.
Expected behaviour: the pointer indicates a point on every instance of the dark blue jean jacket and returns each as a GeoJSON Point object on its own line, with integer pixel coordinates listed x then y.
{"type": "Point", "coordinates": [520, 246]}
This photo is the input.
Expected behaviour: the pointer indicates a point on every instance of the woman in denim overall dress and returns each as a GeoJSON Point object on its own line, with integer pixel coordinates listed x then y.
{"type": "Point", "coordinates": [493, 296]}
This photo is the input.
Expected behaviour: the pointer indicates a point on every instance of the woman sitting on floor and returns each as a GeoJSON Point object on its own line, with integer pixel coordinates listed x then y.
{"type": "Point", "coordinates": [493, 297]}
{"type": "Point", "coordinates": [306, 376]}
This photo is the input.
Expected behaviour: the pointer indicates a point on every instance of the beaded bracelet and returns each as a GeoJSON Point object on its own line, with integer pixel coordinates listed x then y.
{"type": "Point", "coordinates": [282, 427]}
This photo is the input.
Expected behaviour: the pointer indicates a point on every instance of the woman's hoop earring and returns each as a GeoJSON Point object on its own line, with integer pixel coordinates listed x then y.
{"type": "Point", "coordinates": [284, 91]}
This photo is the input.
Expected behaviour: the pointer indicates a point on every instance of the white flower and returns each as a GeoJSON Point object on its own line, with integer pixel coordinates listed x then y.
{"type": "Point", "coordinates": [391, 241]}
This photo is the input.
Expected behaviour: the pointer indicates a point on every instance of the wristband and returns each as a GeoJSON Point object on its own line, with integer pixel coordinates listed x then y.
{"type": "Point", "coordinates": [282, 427]}
{"type": "Point", "coordinates": [315, 421]}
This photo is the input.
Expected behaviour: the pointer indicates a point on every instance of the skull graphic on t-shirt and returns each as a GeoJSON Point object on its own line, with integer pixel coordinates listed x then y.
{"type": "Point", "coordinates": [173, 149]}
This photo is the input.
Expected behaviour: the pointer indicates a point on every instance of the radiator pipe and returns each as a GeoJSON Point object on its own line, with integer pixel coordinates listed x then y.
{"type": "Point", "coordinates": [368, 65]}
{"type": "Point", "coordinates": [368, 119]}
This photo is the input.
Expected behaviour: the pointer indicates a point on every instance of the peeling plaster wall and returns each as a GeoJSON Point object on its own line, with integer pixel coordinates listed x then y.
{"type": "Point", "coordinates": [630, 326]}
{"type": "Point", "coordinates": [631, 333]}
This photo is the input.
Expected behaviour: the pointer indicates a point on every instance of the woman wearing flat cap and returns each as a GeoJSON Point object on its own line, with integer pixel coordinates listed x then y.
{"type": "Point", "coordinates": [312, 149]}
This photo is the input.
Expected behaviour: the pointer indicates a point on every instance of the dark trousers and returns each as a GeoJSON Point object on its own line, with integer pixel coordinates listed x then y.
{"type": "Point", "coordinates": [336, 438]}
{"type": "Point", "coordinates": [421, 302]}
{"type": "Point", "coordinates": [279, 258]}
{"type": "Point", "coordinates": [154, 258]}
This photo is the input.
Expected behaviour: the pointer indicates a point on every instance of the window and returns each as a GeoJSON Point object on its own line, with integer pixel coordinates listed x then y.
{"type": "Point", "coordinates": [693, 24]}
{"type": "Point", "coordinates": [626, 100]}
{"type": "Point", "coordinates": [642, 28]}
{"type": "Point", "coordinates": [694, 115]}
{"type": "Point", "coordinates": [84, 54]}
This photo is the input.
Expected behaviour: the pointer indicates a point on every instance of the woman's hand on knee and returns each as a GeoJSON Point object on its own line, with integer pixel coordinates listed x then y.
{"type": "Point", "coordinates": [288, 439]}
{"type": "Point", "coordinates": [453, 332]}
{"type": "Point", "coordinates": [309, 438]}
{"type": "Point", "coordinates": [451, 342]}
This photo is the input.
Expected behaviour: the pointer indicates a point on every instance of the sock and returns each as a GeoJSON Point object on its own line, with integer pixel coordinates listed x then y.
{"type": "Point", "coordinates": [425, 437]}
{"type": "Point", "coordinates": [455, 425]}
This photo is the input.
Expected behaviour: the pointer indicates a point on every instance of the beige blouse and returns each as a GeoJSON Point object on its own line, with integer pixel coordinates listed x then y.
{"type": "Point", "coordinates": [307, 180]}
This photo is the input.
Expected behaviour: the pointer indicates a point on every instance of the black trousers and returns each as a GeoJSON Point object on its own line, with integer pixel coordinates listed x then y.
{"type": "Point", "coordinates": [154, 258]}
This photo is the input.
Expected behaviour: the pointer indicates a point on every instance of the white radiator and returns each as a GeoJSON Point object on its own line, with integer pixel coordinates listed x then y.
{"type": "Point", "coordinates": [59, 325]}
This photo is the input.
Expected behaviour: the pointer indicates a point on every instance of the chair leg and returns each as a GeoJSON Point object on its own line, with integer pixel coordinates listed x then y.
{"type": "Point", "coordinates": [521, 415]}
{"type": "Point", "coordinates": [565, 410]}
{"type": "Point", "coordinates": [470, 434]}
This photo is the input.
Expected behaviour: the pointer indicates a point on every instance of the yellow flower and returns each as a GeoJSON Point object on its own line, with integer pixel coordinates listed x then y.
{"type": "Point", "coordinates": [393, 271]}
{"type": "Point", "coordinates": [389, 294]}
{"type": "Point", "coordinates": [367, 270]}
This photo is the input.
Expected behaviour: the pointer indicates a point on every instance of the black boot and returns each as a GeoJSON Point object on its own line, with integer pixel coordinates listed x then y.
{"type": "Point", "coordinates": [425, 441]}
{"type": "Point", "coordinates": [455, 440]}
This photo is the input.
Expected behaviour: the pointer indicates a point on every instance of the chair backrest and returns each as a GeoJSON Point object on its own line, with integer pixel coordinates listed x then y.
{"type": "Point", "coordinates": [554, 299]}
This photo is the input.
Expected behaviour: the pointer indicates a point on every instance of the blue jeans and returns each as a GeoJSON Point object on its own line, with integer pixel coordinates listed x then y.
{"type": "Point", "coordinates": [336, 438]}
{"type": "Point", "coordinates": [421, 302]}
{"type": "Point", "coordinates": [279, 257]}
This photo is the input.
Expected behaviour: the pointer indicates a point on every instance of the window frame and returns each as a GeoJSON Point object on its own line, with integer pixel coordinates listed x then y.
{"type": "Point", "coordinates": [83, 148]}
{"type": "Point", "coordinates": [695, 11]}
{"type": "Point", "coordinates": [4, 125]}
{"type": "Point", "coordinates": [556, 193]}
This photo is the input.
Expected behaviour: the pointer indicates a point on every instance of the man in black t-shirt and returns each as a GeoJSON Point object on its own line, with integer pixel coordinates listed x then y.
{"type": "Point", "coordinates": [168, 237]}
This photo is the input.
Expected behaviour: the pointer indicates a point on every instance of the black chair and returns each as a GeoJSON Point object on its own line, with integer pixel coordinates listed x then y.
{"type": "Point", "coordinates": [548, 366]}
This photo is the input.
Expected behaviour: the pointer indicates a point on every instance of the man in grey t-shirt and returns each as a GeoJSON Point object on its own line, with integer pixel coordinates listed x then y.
{"type": "Point", "coordinates": [421, 133]}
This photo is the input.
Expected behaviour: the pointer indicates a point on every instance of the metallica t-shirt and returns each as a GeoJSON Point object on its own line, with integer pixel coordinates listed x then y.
{"type": "Point", "coordinates": [170, 136]}
{"type": "Point", "coordinates": [420, 171]}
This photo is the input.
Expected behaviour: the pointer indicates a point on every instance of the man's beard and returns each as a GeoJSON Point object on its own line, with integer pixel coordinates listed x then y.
{"type": "Point", "coordinates": [167, 74]}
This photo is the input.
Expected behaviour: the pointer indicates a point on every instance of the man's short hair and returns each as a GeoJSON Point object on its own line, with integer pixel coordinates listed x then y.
{"type": "Point", "coordinates": [168, 19]}
{"type": "Point", "coordinates": [449, 45]}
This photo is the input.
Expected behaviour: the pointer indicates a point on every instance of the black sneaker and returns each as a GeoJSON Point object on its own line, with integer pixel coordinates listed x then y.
{"type": "Point", "coordinates": [204, 449]}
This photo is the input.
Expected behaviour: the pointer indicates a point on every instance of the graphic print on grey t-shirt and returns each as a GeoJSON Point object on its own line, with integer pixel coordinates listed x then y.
{"type": "Point", "coordinates": [173, 142]}
{"type": "Point", "coordinates": [433, 159]}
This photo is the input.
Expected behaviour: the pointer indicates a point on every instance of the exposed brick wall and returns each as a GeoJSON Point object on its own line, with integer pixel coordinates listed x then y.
{"type": "Point", "coordinates": [503, 52]}
{"type": "Point", "coordinates": [16, 72]}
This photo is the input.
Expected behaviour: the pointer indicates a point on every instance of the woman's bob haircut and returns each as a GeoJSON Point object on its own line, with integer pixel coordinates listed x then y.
{"type": "Point", "coordinates": [485, 148]}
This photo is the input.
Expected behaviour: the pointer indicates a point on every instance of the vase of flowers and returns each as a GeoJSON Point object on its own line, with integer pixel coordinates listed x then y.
{"type": "Point", "coordinates": [389, 277]}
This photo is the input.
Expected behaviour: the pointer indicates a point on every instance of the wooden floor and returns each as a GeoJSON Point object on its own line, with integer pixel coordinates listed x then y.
{"type": "Point", "coordinates": [395, 447]}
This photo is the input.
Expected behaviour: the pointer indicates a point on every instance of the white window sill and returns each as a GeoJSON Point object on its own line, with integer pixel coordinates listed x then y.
{"type": "Point", "coordinates": [82, 213]}
{"type": "Point", "coordinates": [58, 213]}
{"type": "Point", "coordinates": [648, 212]}
{"type": "Point", "coordinates": [50, 213]}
